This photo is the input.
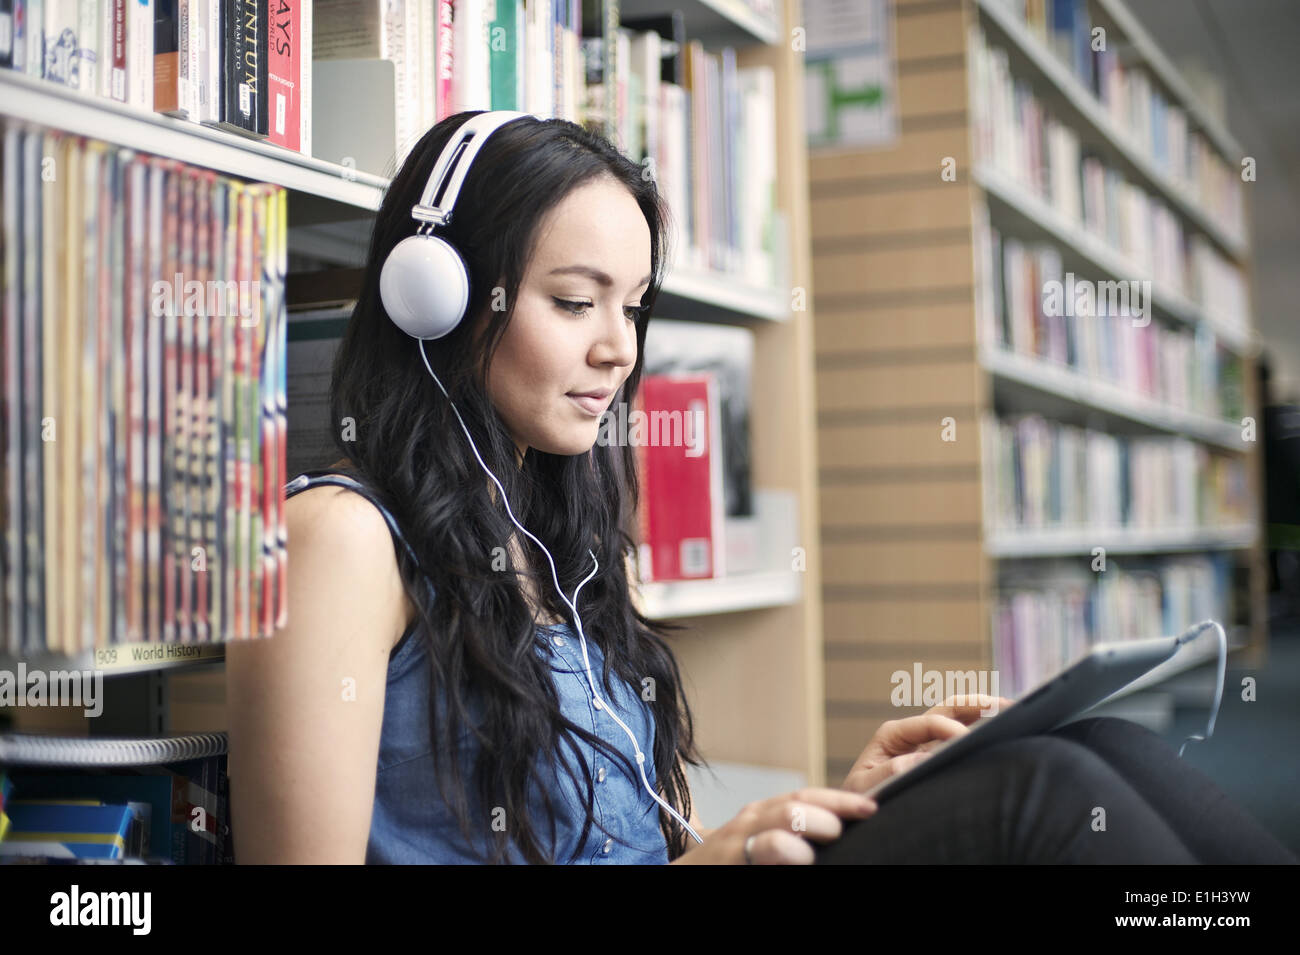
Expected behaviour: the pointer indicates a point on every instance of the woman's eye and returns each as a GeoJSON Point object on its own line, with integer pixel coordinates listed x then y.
{"type": "Point", "coordinates": [577, 308]}
{"type": "Point", "coordinates": [631, 312]}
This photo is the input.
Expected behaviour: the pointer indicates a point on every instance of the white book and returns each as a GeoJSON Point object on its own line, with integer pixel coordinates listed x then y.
{"type": "Point", "coordinates": [758, 234]}
{"type": "Point", "coordinates": [209, 70]}
{"type": "Point", "coordinates": [304, 78]}
{"type": "Point", "coordinates": [471, 83]}
{"type": "Point", "coordinates": [60, 42]}
{"type": "Point", "coordinates": [89, 46]}
{"type": "Point", "coordinates": [647, 66]}
{"type": "Point", "coordinates": [34, 37]}
{"type": "Point", "coordinates": [427, 15]}
{"type": "Point", "coordinates": [139, 53]}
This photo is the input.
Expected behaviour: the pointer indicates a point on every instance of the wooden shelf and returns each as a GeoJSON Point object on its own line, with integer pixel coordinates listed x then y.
{"type": "Point", "coordinates": [1086, 108]}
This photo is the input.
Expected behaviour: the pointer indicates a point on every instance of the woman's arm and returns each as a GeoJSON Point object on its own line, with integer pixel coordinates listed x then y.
{"type": "Point", "coordinates": [306, 705]}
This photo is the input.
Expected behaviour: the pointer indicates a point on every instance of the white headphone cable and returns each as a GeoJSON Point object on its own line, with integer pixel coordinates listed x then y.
{"type": "Point", "coordinates": [601, 704]}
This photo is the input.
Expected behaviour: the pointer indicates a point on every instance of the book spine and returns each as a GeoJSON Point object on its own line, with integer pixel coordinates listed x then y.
{"type": "Point", "coordinates": [89, 46]}
{"type": "Point", "coordinates": [244, 56]}
{"type": "Point", "coordinates": [140, 53]}
{"type": "Point", "coordinates": [284, 74]}
{"type": "Point", "coordinates": [153, 409]}
{"type": "Point", "coordinates": [305, 34]}
{"type": "Point", "coordinates": [167, 59]}
{"type": "Point", "coordinates": [446, 57]}
{"type": "Point", "coordinates": [210, 108]}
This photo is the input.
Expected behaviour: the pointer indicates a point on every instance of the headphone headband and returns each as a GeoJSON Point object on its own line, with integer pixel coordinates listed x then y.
{"type": "Point", "coordinates": [456, 158]}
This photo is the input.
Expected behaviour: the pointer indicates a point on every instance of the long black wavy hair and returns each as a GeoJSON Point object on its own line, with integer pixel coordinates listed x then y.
{"type": "Point", "coordinates": [408, 447]}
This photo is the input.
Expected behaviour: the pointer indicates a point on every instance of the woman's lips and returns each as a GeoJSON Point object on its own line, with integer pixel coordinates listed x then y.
{"type": "Point", "coordinates": [592, 406]}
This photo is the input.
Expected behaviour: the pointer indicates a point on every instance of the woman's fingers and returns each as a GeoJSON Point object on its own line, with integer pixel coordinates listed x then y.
{"type": "Point", "coordinates": [777, 847]}
{"type": "Point", "coordinates": [967, 708]}
{"type": "Point", "coordinates": [863, 779]}
{"type": "Point", "coordinates": [784, 825]}
{"type": "Point", "coordinates": [837, 801]}
{"type": "Point", "coordinates": [905, 735]}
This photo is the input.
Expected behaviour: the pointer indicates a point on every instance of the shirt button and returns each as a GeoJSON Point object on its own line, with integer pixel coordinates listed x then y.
{"type": "Point", "coordinates": [608, 843]}
{"type": "Point", "coordinates": [557, 640]}
{"type": "Point", "coordinates": [597, 704]}
{"type": "Point", "coordinates": [600, 774]}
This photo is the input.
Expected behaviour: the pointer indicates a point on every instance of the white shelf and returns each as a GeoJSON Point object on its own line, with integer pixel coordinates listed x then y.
{"type": "Point", "coordinates": [1061, 77]}
{"type": "Point", "coordinates": [123, 658]}
{"type": "Point", "coordinates": [1102, 257]}
{"type": "Point", "coordinates": [1081, 541]}
{"type": "Point", "coordinates": [713, 22]}
{"type": "Point", "coordinates": [1160, 66]}
{"type": "Point", "coordinates": [691, 598]}
{"type": "Point", "coordinates": [721, 291]}
{"type": "Point", "coordinates": [1103, 396]}
{"type": "Point", "coordinates": [56, 107]}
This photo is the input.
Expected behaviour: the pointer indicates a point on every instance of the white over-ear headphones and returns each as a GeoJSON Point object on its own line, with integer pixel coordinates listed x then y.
{"type": "Point", "coordinates": [424, 286]}
{"type": "Point", "coordinates": [424, 283]}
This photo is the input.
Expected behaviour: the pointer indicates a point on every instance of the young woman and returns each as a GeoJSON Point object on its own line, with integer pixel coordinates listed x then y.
{"type": "Point", "coordinates": [431, 699]}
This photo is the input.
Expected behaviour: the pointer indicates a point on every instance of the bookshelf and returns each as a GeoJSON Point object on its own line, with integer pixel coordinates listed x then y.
{"type": "Point", "coordinates": [756, 630]}
{"type": "Point", "coordinates": [914, 565]}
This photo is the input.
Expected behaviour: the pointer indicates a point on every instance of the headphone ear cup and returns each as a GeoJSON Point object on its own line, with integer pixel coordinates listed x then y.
{"type": "Point", "coordinates": [424, 286]}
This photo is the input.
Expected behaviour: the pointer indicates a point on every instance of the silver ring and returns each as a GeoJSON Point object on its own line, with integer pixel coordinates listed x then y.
{"type": "Point", "coordinates": [749, 849]}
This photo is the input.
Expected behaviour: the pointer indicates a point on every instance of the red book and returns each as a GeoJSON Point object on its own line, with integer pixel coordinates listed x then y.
{"type": "Point", "coordinates": [284, 86]}
{"type": "Point", "coordinates": [675, 426]}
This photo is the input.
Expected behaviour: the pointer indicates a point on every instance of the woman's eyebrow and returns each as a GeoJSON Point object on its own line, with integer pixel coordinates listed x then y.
{"type": "Point", "coordinates": [596, 274]}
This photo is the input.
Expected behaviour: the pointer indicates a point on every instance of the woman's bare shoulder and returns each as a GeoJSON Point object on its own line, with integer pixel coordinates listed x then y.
{"type": "Point", "coordinates": [338, 537]}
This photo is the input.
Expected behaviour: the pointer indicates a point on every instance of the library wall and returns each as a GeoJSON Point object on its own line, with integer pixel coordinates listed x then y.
{"type": "Point", "coordinates": [895, 349]}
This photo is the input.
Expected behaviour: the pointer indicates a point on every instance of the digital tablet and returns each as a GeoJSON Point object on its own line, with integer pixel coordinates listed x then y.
{"type": "Point", "coordinates": [1090, 680]}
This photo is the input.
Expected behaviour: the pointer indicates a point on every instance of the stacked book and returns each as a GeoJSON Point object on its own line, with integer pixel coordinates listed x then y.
{"type": "Point", "coordinates": [1136, 103]}
{"type": "Point", "coordinates": [1053, 614]}
{"type": "Point", "coordinates": [1045, 474]}
{"type": "Point", "coordinates": [1030, 304]}
{"type": "Point", "coordinates": [241, 65]}
{"type": "Point", "coordinates": [77, 801]}
{"type": "Point", "coordinates": [142, 461]}
{"type": "Point", "coordinates": [1018, 137]}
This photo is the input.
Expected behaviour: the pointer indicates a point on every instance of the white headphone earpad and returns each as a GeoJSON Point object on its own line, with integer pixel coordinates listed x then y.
{"type": "Point", "coordinates": [424, 286]}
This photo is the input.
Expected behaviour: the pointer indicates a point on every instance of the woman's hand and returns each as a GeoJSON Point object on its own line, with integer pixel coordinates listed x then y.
{"type": "Point", "coordinates": [900, 744]}
{"type": "Point", "coordinates": [781, 827]}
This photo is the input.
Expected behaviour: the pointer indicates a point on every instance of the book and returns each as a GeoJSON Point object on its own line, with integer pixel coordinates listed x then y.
{"type": "Point", "coordinates": [287, 71]}
{"type": "Point", "coordinates": [680, 475]}
{"type": "Point", "coordinates": [117, 423]}
{"type": "Point", "coordinates": [244, 67]}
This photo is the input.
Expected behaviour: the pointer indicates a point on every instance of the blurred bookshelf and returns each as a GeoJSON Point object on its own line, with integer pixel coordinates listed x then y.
{"type": "Point", "coordinates": [1001, 484]}
{"type": "Point", "coordinates": [763, 626]}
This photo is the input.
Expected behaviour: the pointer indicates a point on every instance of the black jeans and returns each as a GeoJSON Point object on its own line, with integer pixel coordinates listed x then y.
{"type": "Point", "coordinates": [1036, 800]}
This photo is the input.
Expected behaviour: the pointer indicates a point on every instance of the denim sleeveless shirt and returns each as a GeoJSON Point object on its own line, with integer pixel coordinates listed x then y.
{"type": "Point", "coordinates": [411, 824]}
